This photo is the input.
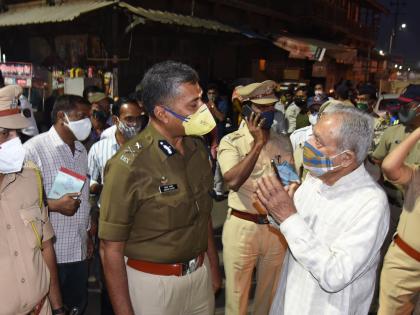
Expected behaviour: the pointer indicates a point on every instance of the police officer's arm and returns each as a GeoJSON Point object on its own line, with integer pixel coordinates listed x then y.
{"type": "Point", "coordinates": [393, 165]}
{"type": "Point", "coordinates": [48, 254]}
{"type": "Point", "coordinates": [112, 256]}
{"type": "Point", "coordinates": [54, 294]}
{"type": "Point", "coordinates": [213, 259]}
{"type": "Point", "coordinates": [236, 175]}
{"type": "Point", "coordinates": [119, 202]}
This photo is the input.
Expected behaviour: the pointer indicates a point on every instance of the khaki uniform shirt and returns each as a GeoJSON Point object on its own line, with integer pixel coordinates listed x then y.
{"type": "Point", "coordinates": [409, 224]}
{"type": "Point", "coordinates": [157, 200]}
{"type": "Point", "coordinates": [24, 275]}
{"type": "Point", "coordinates": [393, 136]}
{"type": "Point", "coordinates": [234, 147]}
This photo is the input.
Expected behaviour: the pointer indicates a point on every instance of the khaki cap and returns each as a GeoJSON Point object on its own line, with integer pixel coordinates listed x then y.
{"type": "Point", "coordinates": [259, 93]}
{"type": "Point", "coordinates": [10, 115]}
{"type": "Point", "coordinates": [96, 97]}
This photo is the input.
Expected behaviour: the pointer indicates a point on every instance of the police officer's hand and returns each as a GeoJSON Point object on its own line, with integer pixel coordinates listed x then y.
{"type": "Point", "coordinates": [66, 205]}
{"type": "Point", "coordinates": [254, 122]}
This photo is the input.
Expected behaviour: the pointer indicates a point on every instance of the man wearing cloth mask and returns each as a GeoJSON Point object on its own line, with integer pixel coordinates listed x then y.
{"type": "Point", "coordinates": [129, 120]}
{"type": "Point", "coordinates": [300, 136]}
{"type": "Point", "coordinates": [334, 225]}
{"type": "Point", "coordinates": [61, 147]}
{"type": "Point", "coordinates": [28, 268]}
{"type": "Point", "coordinates": [155, 204]}
{"type": "Point", "coordinates": [248, 240]}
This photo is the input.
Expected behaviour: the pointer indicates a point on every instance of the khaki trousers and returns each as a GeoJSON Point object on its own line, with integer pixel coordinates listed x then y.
{"type": "Point", "coordinates": [400, 283]}
{"type": "Point", "coordinates": [191, 294]}
{"type": "Point", "coordinates": [247, 245]}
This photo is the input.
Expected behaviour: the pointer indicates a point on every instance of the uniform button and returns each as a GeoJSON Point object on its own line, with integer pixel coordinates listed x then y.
{"type": "Point", "coordinates": [22, 280]}
{"type": "Point", "coordinates": [25, 305]}
{"type": "Point", "coordinates": [8, 226]}
{"type": "Point", "coordinates": [16, 253]}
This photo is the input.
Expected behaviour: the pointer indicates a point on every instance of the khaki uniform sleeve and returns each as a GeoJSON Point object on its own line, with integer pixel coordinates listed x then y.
{"type": "Point", "coordinates": [227, 155]}
{"type": "Point", "coordinates": [382, 149]}
{"type": "Point", "coordinates": [47, 229]}
{"type": "Point", "coordinates": [118, 201]}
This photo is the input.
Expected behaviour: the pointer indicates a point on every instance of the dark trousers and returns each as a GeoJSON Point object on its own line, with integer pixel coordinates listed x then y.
{"type": "Point", "coordinates": [73, 284]}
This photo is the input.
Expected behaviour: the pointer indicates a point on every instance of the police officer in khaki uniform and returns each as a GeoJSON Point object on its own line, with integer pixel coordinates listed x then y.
{"type": "Point", "coordinates": [27, 261]}
{"type": "Point", "coordinates": [248, 240]}
{"type": "Point", "coordinates": [155, 204]}
{"type": "Point", "coordinates": [400, 278]}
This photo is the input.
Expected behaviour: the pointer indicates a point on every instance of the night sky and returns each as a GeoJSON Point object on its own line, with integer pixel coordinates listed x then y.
{"type": "Point", "coordinates": [408, 42]}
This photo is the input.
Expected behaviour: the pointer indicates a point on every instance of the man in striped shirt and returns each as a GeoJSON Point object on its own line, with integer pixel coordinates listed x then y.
{"type": "Point", "coordinates": [129, 120]}
{"type": "Point", "coordinates": [61, 147]}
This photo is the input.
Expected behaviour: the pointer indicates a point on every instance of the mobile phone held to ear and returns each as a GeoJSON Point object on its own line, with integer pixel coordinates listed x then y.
{"type": "Point", "coordinates": [285, 173]}
{"type": "Point", "coordinates": [246, 111]}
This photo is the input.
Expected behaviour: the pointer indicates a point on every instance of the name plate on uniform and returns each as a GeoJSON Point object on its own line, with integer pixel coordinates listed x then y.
{"type": "Point", "coordinates": [168, 188]}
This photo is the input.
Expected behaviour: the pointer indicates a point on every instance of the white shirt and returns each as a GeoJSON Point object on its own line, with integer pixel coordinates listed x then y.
{"type": "Point", "coordinates": [108, 132]}
{"type": "Point", "coordinates": [291, 113]}
{"type": "Point", "coordinates": [279, 122]}
{"type": "Point", "coordinates": [334, 241]}
{"type": "Point", "coordinates": [50, 153]}
{"type": "Point", "coordinates": [99, 154]}
{"type": "Point", "coordinates": [299, 136]}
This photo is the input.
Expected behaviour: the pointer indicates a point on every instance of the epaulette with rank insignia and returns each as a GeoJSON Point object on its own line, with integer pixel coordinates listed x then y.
{"type": "Point", "coordinates": [31, 165]}
{"type": "Point", "coordinates": [130, 151]}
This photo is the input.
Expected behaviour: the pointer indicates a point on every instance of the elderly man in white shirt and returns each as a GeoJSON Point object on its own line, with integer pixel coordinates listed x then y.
{"type": "Point", "coordinates": [335, 224]}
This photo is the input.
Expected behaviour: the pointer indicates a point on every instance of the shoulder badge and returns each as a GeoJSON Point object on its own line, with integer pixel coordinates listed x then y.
{"type": "Point", "coordinates": [166, 147]}
{"type": "Point", "coordinates": [130, 151]}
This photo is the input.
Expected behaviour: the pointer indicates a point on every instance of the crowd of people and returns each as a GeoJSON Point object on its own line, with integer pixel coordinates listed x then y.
{"type": "Point", "coordinates": [323, 199]}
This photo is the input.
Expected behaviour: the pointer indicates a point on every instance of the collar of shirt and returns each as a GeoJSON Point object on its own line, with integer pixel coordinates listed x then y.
{"type": "Point", "coordinates": [57, 141]}
{"type": "Point", "coordinates": [114, 143]}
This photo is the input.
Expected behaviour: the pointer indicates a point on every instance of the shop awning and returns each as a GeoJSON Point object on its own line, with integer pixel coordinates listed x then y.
{"type": "Point", "coordinates": [178, 19]}
{"type": "Point", "coordinates": [24, 14]}
{"type": "Point", "coordinates": [313, 49]}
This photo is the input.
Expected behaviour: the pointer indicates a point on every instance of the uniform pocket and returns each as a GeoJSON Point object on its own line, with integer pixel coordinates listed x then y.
{"type": "Point", "coordinates": [167, 211]}
{"type": "Point", "coordinates": [32, 219]}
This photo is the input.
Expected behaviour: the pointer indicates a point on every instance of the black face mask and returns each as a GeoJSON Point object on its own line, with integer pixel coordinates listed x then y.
{"type": "Point", "coordinates": [299, 101]}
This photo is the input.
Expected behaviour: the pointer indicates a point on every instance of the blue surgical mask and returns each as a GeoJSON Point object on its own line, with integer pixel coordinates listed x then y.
{"type": "Point", "coordinates": [269, 119]}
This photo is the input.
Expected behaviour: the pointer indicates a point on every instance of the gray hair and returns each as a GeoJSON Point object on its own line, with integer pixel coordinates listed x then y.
{"type": "Point", "coordinates": [161, 82]}
{"type": "Point", "coordinates": [355, 132]}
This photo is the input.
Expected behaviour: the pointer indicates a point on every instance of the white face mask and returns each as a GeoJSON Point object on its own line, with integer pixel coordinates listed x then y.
{"type": "Point", "coordinates": [318, 92]}
{"type": "Point", "coordinates": [12, 155]}
{"type": "Point", "coordinates": [80, 128]}
{"type": "Point", "coordinates": [313, 118]}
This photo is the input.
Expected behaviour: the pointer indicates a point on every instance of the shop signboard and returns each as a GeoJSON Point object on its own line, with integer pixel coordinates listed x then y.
{"type": "Point", "coordinates": [17, 73]}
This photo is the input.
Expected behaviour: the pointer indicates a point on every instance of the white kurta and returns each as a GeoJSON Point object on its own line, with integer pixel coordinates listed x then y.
{"type": "Point", "coordinates": [334, 242]}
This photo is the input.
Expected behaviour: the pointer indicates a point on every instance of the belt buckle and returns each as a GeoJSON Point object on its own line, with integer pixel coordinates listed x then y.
{"type": "Point", "coordinates": [262, 220]}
